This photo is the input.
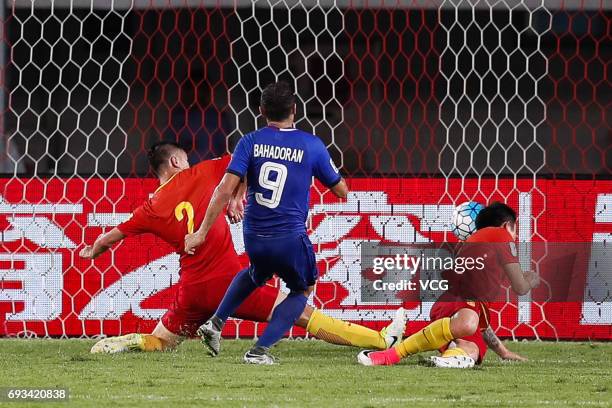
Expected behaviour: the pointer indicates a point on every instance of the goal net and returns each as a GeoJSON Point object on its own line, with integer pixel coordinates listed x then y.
{"type": "Point", "coordinates": [423, 104]}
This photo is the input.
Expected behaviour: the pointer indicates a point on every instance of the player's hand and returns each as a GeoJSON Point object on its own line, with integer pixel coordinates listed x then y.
{"type": "Point", "coordinates": [511, 356]}
{"type": "Point", "coordinates": [192, 241]}
{"type": "Point", "coordinates": [533, 279]}
{"type": "Point", "coordinates": [235, 210]}
{"type": "Point", "coordinates": [87, 252]}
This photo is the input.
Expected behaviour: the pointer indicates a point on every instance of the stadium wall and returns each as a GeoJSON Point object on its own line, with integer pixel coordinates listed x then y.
{"type": "Point", "coordinates": [47, 290]}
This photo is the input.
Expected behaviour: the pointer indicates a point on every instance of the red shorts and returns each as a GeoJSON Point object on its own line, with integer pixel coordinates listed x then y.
{"type": "Point", "coordinates": [447, 308]}
{"type": "Point", "coordinates": [196, 303]}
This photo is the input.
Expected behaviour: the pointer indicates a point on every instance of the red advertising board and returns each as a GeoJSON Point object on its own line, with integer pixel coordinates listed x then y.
{"type": "Point", "coordinates": [46, 289]}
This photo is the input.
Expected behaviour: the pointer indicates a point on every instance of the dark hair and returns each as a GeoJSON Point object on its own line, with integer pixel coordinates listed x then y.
{"type": "Point", "coordinates": [160, 152]}
{"type": "Point", "coordinates": [277, 100]}
{"type": "Point", "coordinates": [494, 215]}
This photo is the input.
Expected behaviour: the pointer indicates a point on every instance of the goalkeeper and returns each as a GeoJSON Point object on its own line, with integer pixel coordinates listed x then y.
{"type": "Point", "coordinates": [460, 318]}
{"type": "Point", "coordinates": [177, 205]}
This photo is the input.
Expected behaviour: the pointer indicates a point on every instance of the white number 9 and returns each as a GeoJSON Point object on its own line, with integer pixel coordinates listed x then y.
{"type": "Point", "coordinates": [275, 186]}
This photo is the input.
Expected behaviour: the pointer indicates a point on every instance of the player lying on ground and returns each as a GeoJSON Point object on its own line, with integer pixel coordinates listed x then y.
{"type": "Point", "coordinates": [279, 163]}
{"type": "Point", "coordinates": [173, 210]}
{"type": "Point", "coordinates": [458, 323]}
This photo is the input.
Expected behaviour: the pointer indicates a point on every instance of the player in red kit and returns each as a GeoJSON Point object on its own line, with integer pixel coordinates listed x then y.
{"type": "Point", "coordinates": [460, 317]}
{"type": "Point", "coordinates": [177, 205]}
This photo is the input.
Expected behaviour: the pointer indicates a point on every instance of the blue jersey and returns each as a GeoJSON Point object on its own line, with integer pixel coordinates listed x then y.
{"type": "Point", "coordinates": [279, 165]}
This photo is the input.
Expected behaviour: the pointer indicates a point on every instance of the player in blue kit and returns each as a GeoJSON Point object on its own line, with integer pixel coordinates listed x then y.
{"type": "Point", "coordinates": [278, 163]}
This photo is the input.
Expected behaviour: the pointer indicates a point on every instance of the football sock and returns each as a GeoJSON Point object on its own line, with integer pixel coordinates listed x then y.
{"type": "Point", "coordinates": [149, 342]}
{"type": "Point", "coordinates": [283, 317]}
{"type": "Point", "coordinates": [454, 352]}
{"type": "Point", "coordinates": [435, 335]}
{"type": "Point", "coordinates": [241, 287]}
{"type": "Point", "coordinates": [384, 357]}
{"type": "Point", "coordinates": [336, 331]}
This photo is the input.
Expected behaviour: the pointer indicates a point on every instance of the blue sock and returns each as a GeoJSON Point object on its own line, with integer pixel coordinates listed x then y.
{"type": "Point", "coordinates": [241, 287]}
{"type": "Point", "coordinates": [283, 317]}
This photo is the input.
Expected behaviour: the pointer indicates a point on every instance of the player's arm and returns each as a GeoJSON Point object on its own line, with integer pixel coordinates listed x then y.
{"type": "Point", "coordinates": [340, 189]}
{"type": "Point", "coordinates": [327, 173]}
{"type": "Point", "coordinates": [102, 244]}
{"type": "Point", "coordinates": [498, 347]}
{"type": "Point", "coordinates": [228, 193]}
{"type": "Point", "coordinates": [521, 282]}
{"type": "Point", "coordinates": [220, 199]}
{"type": "Point", "coordinates": [140, 222]}
{"type": "Point", "coordinates": [235, 208]}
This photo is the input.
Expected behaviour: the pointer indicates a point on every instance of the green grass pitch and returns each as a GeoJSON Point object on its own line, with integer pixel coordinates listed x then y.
{"type": "Point", "coordinates": [310, 374]}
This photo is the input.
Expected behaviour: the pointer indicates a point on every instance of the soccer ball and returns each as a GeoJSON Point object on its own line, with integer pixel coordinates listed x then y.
{"type": "Point", "coordinates": [464, 219]}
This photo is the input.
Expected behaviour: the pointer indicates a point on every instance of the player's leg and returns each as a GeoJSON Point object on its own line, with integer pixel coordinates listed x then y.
{"type": "Point", "coordinates": [299, 272]}
{"type": "Point", "coordinates": [261, 304]}
{"type": "Point", "coordinates": [167, 333]}
{"type": "Point", "coordinates": [467, 347]}
{"type": "Point", "coordinates": [166, 339]}
{"type": "Point", "coordinates": [193, 304]}
{"type": "Point", "coordinates": [433, 337]}
{"type": "Point", "coordinates": [261, 253]}
{"type": "Point", "coordinates": [267, 255]}
{"type": "Point", "coordinates": [161, 339]}
{"type": "Point", "coordinates": [283, 317]}
{"type": "Point", "coordinates": [460, 353]}
{"type": "Point", "coordinates": [336, 331]}
{"type": "Point", "coordinates": [292, 258]}
{"type": "Point", "coordinates": [466, 351]}
{"type": "Point", "coordinates": [180, 320]}
{"type": "Point", "coordinates": [240, 289]}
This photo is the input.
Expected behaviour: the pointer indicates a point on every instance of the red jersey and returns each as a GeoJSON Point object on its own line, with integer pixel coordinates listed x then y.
{"type": "Point", "coordinates": [491, 248]}
{"type": "Point", "coordinates": [177, 208]}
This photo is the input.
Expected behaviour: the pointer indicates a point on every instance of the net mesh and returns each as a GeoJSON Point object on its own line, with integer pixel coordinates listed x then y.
{"type": "Point", "coordinates": [423, 104]}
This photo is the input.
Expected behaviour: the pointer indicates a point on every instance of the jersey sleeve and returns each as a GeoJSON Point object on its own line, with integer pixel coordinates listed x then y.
{"type": "Point", "coordinates": [139, 223]}
{"type": "Point", "coordinates": [324, 168]}
{"type": "Point", "coordinates": [241, 158]}
{"type": "Point", "coordinates": [209, 171]}
{"type": "Point", "coordinates": [220, 165]}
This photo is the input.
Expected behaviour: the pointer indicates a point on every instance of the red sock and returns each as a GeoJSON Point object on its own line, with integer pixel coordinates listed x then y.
{"type": "Point", "coordinates": [385, 357]}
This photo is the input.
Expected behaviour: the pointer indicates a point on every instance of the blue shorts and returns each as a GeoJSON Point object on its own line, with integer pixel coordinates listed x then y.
{"type": "Point", "coordinates": [291, 257]}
